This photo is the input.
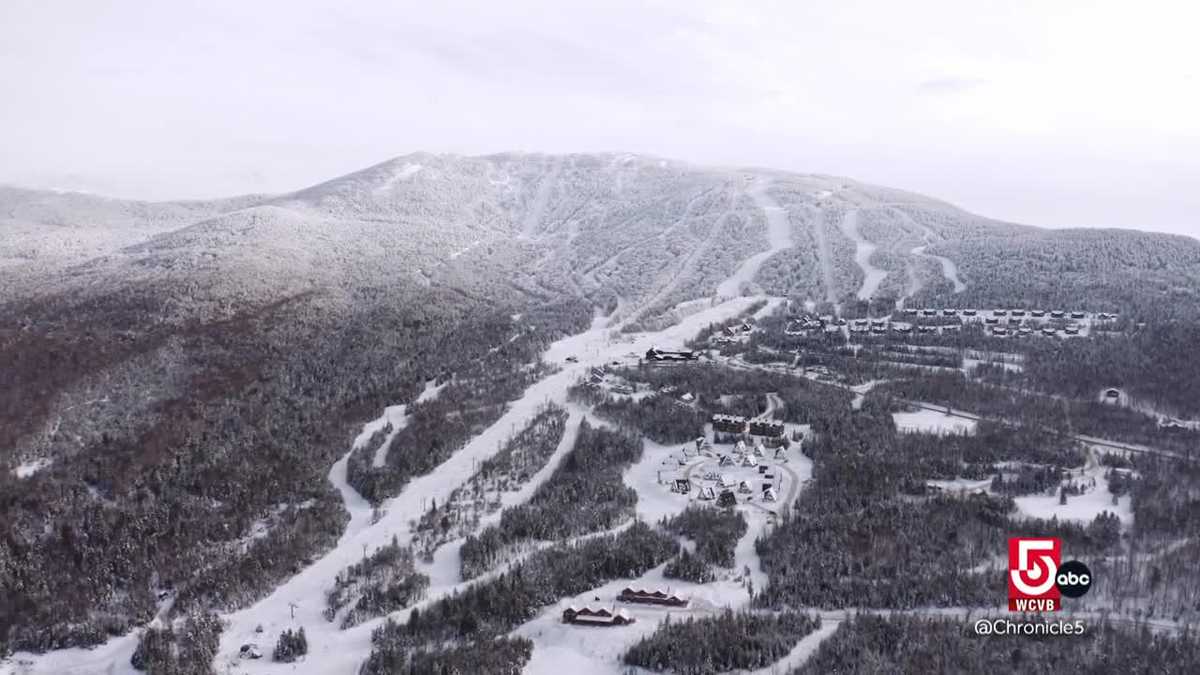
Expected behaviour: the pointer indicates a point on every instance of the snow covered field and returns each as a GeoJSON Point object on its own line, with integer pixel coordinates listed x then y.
{"type": "Point", "coordinates": [933, 422]}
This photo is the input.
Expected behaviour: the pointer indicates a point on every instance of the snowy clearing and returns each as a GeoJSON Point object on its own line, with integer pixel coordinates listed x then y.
{"type": "Point", "coordinates": [27, 469]}
{"type": "Point", "coordinates": [933, 422]}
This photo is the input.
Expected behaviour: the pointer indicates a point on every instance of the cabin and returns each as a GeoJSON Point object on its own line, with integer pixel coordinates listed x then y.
{"type": "Point", "coordinates": [744, 487]}
{"type": "Point", "coordinates": [729, 424]}
{"type": "Point", "coordinates": [682, 486]}
{"type": "Point", "coordinates": [929, 312]}
{"type": "Point", "coordinates": [659, 355]}
{"type": "Point", "coordinates": [602, 616]}
{"type": "Point", "coordinates": [1014, 322]}
{"type": "Point", "coordinates": [991, 321]}
{"type": "Point", "coordinates": [1077, 315]}
{"type": "Point", "coordinates": [999, 331]}
{"type": "Point", "coordinates": [1057, 314]}
{"type": "Point", "coordinates": [749, 460]}
{"type": "Point", "coordinates": [726, 460]}
{"type": "Point", "coordinates": [903, 329]}
{"type": "Point", "coordinates": [927, 329]}
{"type": "Point", "coordinates": [1071, 330]}
{"type": "Point", "coordinates": [949, 312]}
{"type": "Point", "coordinates": [727, 499]}
{"type": "Point", "coordinates": [769, 495]}
{"type": "Point", "coordinates": [1018, 312]}
{"type": "Point", "coordinates": [707, 494]}
{"type": "Point", "coordinates": [999, 312]}
{"type": "Point", "coordinates": [1025, 330]}
{"type": "Point", "coordinates": [1049, 332]}
{"type": "Point", "coordinates": [969, 312]}
{"type": "Point", "coordinates": [908, 311]}
{"type": "Point", "coordinates": [1038, 313]}
{"type": "Point", "coordinates": [644, 596]}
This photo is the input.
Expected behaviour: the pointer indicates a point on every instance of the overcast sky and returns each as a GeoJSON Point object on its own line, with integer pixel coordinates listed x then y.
{"type": "Point", "coordinates": [1048, 112]}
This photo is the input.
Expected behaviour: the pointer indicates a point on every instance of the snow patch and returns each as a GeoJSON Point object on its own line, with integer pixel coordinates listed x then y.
{"type": "Point", "coordinates": [27, 469]}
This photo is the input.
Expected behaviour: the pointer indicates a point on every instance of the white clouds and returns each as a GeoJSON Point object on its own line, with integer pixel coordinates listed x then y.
{"type": "Point", "coordinates": [1005, 107]}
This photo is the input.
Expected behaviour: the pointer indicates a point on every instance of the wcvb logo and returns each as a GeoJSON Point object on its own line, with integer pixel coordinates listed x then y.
{"type": "Point", "coordinates": [1037, 579]}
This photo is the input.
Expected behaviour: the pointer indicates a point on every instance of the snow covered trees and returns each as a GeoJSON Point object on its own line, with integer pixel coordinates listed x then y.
{"type": "Point", "coordinates": [291, 646]}
{"type": "Point", "coordinates": [717, 644]}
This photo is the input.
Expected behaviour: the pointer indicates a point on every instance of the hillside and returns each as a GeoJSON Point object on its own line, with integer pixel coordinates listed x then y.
{"type": "Point", "coordinates": [185, 380]}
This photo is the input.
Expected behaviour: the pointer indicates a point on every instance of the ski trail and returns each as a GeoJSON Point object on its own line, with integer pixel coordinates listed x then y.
{"type": "Point", "coordinates": [824, 256]}
{"type": "Point", "coordinates": [949, 269]}
{"type": "Point", "coordinates": [863, 249]}
{"type": "Point", "coordinates": [779, 237]}
{"type": "Point", "coordinates": [540, 198]}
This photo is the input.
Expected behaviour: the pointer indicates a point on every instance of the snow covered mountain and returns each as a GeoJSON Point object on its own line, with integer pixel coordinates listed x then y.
{"type": "Point", "coordinates": [187, 383]}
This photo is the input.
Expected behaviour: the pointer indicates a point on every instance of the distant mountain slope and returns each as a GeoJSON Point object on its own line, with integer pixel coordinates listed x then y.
{"type": "Point", "coordinates": [180, 375]}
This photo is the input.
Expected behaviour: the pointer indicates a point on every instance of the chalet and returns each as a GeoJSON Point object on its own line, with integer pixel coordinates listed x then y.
{"type": "Point", "coordinates": [1057, 314]}
{"type": "Point", "coordinates": [767, 428]}
{"type": "Point", "coordinates": [949, 312]}
{"type": "Point", "coordinates": [659, 355]}
{"type": "Point", "coordinates": [952, 327]}
{"type": "Point", "coordinates": [749, 460]}
{"type": "Point", "coordinates": [781, 453]}
{"type": "Point", "coordinates": [1077, 315]}
{"type": "Point", "coordinates": [910, 311]}
{"type": "Point", "coordinates": [1025, 330]}
{"type": "Point", "coordinates": [927, 329]}
{"type": "Point", "coordinates": [860, 323]}
{"type": "Point", "coordinates": [1049, 332]}
{"type": "Point", "coordinates": [744, 487]}
{"type": "Point", "coordinates": [991, 321]}
{"type": "Point", "coordinates": [726, 482]}
{"type": "Point", "coordinates": [999, 312]}
{"type": "Point", "coordinates": [903, 329]}
{"type": "Point", "coordinates": [1014, 322]}
{"type": "Point", "coordinates": [1018, 312]}
{"type": "Point", "coordinates": [999, 331]}
{"type": "Point", "coordinates": [1038, 313]}
{"type": "Point", "coordinates": [726, 460]}
{"type": "Point", "coordinates": [682, 486]}
{"type": "Point", "coordinates": [644, 596]}
{"type": "Point", "coordinates": [712, 475]}
{"type": "Point", "coordinates": [929, 312]}
{"type": "Point", "coordinates": [729, 424]}
{"type": "Point", "coordinates": [596, 616]}
{"type": "Point", "coordinates": [1071, 330]}
{"type": "Point", "coordinates": [878, 330]}
{"type": "Point", "coordinates": [707, 493]}
{"type": "Point", "coordinates": [969, 312]}
{"type": "Point", "coordinates": [768, 495]}
{"type": "Point", "coordinates": [727, 499]}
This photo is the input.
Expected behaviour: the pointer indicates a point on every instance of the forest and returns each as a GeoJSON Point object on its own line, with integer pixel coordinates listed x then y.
{"type": "Point", "coordinates": [876, 645]}
{"type": "Point", "coordinates": [715, 531]}
{"type": "Point", "coordinates": [381, 583]}
{"type": "Point", "coordinates": [491, 608]}
{"type": "Point", "coordinates": [508, 470]}
{"type": "Point", "coordinates": [585, 494]}
{"type": "Point", "coordinates": [721, 643]}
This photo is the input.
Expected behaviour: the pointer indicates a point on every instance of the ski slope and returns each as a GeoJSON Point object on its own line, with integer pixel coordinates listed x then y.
{"type": "Point", "coordinates": [863, 250]}
{"type": "Point", "coordinates": [779, 238]}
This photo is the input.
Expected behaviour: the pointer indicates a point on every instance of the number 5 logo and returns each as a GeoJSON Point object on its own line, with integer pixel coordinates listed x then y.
{"type": "Point", "coordinates": [1036, 565]}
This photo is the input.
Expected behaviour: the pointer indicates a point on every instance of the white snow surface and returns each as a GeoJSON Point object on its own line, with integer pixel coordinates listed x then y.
{"type": "Point", "coordinates": [779, 237]}
{"type": "Point", "coordinates": [933, 422]}
{"type": "Point", "coordinates": [27, 469]}
{"type": "Point", "coordinates": [341, 651]}
{"type": "Point", "coordinates": [863, 250]}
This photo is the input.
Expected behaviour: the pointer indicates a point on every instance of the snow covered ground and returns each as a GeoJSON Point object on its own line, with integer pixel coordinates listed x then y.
{"type": "Point", "coordinates": [933, 422]}
{"type": "Point", "coordinates": [27, 469]}
{"type": "Point", "coordinates": [332, 650]}
{"type": "Point", "coordinates": [779, 237]}
{"type": "Point", "coordinates": [863, 250]}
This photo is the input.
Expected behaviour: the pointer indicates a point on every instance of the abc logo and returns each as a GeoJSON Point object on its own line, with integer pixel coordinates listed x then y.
{"type": "Point", "coordinates": [1074, 579]}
